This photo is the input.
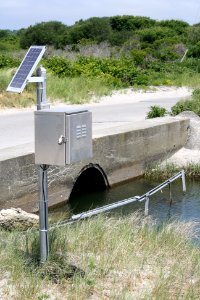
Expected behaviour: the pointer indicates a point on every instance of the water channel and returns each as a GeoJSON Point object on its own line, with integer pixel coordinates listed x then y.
{"type": "Point", "coordinates": [184, 206]}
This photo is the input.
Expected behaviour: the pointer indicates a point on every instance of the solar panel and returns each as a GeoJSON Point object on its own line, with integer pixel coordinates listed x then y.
{"type": "Point", "coordinates": [26, 69]}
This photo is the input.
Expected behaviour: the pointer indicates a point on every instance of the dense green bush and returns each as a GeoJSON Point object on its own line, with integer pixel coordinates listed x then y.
{"type": "Point", "coordinates": [136, 69]}
{"type": "Point", "coordinates": [116, 30]}
{"type": "Point", "coordinates": [88, 66]}
{"type": "Point", "coordinates": [168, 49]}
{"type": "Point", "coordinates": [9, 44]}
{"type": "Point", "coordinates": [150, 35]}
{"type": "Point", "coordinates": [196, 94]}
{"type": "Point", "coordinates": [166, 53]}
{"type": "Point", "coordinates": [123, 69]}
{"type": "Point", "coordinates": [192, 64]}
{"type": "Point", "coordinates": [123, 23]}
{"type": "Point", "coordinates": [60, 66]}
{"type": "Point", "coordinates": [183, 105]}
{"type": "Point", "coordinates": [8, 62]}
{"type": "Point", "coordinates": [45, 33]}
{"type": "Point", "coordinates": [177, 25]}
{"type": "Point", "coordinates": [188, 105]}
{"type": "Point", "coordinates": [156, 111]}
{"type": "Point", "coordinates": [118, 38]}
{"type": "Point", "coordinates": [138, 56]}
{"type": "Point", "coordinates": [193, 34]}
{"type": "Point", "coordinates": [9, 40]}
{"type": "Point", "coordinates": [95, 29]}
{"type": "Point", "coordinates": [194, 50]}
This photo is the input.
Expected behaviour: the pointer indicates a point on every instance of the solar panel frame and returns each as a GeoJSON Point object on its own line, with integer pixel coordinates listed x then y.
{"type": "Point", "coordinates": [26, 69]}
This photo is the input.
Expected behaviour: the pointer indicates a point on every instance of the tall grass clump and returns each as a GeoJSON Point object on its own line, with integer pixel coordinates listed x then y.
{"type": "Point", "coordinates": [25, 100]}
{"type": "Point", "coordinates": [13, 100]}
{"type": "Point", "coordinates": [104, 258]}
{"type": "Point", "coordinates": [76, 90]}
{"type": "Point", "coordinates": [5, 76]}
{"type": "Point", "coordinates": [164, 171]}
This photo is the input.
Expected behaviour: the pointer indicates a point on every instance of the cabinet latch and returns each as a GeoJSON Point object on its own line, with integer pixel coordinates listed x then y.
{"type": "Point", "coordinates": [62, 139]}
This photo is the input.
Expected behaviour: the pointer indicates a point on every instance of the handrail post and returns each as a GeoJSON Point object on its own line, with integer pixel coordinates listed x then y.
{"type": "Point", "coordinates": [146, 209]}
{"type": "Point", "coordinates": [170, 194]}
{"type": "Point", "coordinates": [183, 181]}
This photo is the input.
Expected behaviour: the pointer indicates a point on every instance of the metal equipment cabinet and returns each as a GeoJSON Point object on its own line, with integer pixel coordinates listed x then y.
{"type": "Point", "coordinates": [62, 136]}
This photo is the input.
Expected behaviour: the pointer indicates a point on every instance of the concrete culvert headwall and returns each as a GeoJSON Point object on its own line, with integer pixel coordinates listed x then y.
{"type": "Point", "coordinates": [91, 178]}
{"type": "Point", "coordinates": [123, 152]}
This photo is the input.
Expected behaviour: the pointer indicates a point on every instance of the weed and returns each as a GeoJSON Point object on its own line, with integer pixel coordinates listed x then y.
{"type": "Point", "coordinates": [156, 111]}
{"type": "Point", "coordinates": [167, 170]}
{"type": "Point", "coordinates": [188, 105]}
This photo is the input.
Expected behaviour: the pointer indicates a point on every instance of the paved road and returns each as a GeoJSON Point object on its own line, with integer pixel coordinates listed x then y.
{"type": "Point", "coordinates": [18, 128]}
{"type": "Point", "coordinates": [128, 112]}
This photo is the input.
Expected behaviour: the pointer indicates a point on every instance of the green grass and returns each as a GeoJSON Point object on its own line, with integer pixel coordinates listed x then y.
{"type": "Point", "coordinates": [188, 105]}
{"type": "Point", "coordinates": [70, 90]}
{"type": "Point", "coordinates": [24, 100]}
{"type": "Point", "coordinates": [82, 89]}
{"type": "Point", "coordinates": [104, 258]}
{"type": "Point", "coordinates": [187, 79]}
{"type": "Point", "coordinates": [76, 90]}
{"type": "Point", "coordinates": [167, 170]}
{"type": "Point", "coordinates": [13, 100]}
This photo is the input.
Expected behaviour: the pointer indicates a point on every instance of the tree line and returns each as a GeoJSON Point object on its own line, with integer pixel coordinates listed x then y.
{"type": "Point", "coordinates": [163, 40]}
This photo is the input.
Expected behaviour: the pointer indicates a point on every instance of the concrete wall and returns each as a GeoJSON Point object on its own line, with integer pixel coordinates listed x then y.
{"type": "Point", "coordinates": [123, 152]}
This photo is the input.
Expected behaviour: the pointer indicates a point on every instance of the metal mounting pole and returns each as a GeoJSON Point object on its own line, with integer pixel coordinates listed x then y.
{"type": "Point", "coordinates": [43, 213]}
{"type": "Point", "coordinates": [41, 89]}
{"type": "Point", "coordinates": [42, 174]}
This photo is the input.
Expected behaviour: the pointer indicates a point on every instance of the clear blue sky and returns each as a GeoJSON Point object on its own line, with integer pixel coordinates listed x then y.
{"type": "Point", "coordinates": [16, 14]}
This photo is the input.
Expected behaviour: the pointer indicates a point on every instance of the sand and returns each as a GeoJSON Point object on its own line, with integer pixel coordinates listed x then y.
{"type": "Point", "coordinates": [135, 95]}
{"type": "Point", "coordinates": [124, 96]}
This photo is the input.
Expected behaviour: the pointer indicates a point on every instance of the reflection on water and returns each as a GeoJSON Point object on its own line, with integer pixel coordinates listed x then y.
{"type": "Point", "coordinates": [184, 207]}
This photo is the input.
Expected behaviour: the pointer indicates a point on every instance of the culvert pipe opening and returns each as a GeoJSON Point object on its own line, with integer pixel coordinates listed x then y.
{"type": "Point", "coordinates": [88, 189]}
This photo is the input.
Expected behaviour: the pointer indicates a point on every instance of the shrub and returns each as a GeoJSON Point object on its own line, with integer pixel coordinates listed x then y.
{"type": "Point", "coordinates": [94, 29]}
{"type": "Point", "coordinates": [44, 33]}
{"type": "Point", "coordinates": [121, 23]}
{"type": "Point", "coordinates": [196, 94]}
{"type": "Point", "coordinates": [9, 44]}
{"type": "Point", "coordinates": [185, 105]}
{"type": "Point", "coordinates": [156, 111]}
{"type": "Point", "coordinates": [8, 62]}
{"type": "Point", "coordinates": [180, 106]}
{"type": "Point", "coordinates": [141, 79]}
{"type": "Point", "coordinates": [60, 66]}
{"type": "Point", "coordinates": [122, 69]}
{"type": "Point", "coordinates": [194, 50]}
{"type": "Point", "coordinates": [150, 35]}
{"type": "Point", "coordinates": [138, 56]}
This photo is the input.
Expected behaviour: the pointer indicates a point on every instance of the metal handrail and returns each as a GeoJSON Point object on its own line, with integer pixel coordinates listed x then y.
{"type": "Point", "coordinates": [120, 203]}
